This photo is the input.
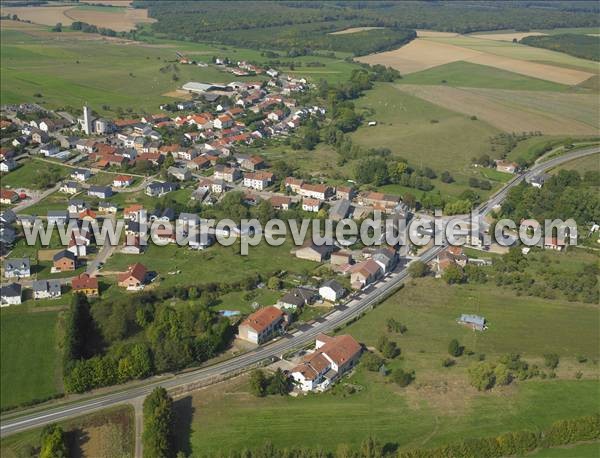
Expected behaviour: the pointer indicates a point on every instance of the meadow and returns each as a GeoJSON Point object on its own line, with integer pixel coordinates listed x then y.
{"type": "Point", "coordinates": [107, 433]}
{"type": "Point", "coordinates": [182, 266]}
{"type": "Point", "coordinates": [439, 406]}
{"type": "Point", "coordinates": [35, 374]}
{"type": "Point", "coordinates": [28, 173]}
{"type": "Point", "coordinates": [423, 133]}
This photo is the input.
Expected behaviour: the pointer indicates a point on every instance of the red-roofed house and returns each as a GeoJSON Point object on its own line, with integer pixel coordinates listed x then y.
{"type": "Point", "coordinates": [86, 285]}
{"type": "Point", "coordinates": [8, 196]}
{"type": "Point", "coordinates": [364, 273]}
{"type": "Point", "coordinates": [262, 325]}
{"type": "Point", "coordinates": [223, 122]}
{"type": "Point", "coordinates": [134, 278]}
{"type": "Point", "coordinates": [122, 181]}
{"type": "Point", "coordinates": [258, 180]}
{"type": "Point", "coordinates": [333, 357]}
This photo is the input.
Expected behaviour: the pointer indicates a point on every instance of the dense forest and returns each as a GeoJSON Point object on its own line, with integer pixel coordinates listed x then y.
{"type": "Point", "coordinates": [302, 24]}
{"type": "Point", "coordinates": [584, 46]}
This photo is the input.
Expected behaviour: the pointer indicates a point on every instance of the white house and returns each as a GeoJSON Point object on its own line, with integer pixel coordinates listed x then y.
{"type": "Point", "coordinates": [332, 357]}
{"type": "Point", "coordinates": [46, 289]}
{"type": "Point", "coordinates": [70, 187]}
{"type": "Point", "coordinates": [331, 291]}
{"type": "Point", "coordinates": [10, 294]}
{"type": "Point", "coordinates": [258, 180]}
{"type": "Point", "coordinates": [81, 174]}
{"type": "Point", "coordinates": [311, 205]}
{"type": "Point", "coordinates": [122, 181]}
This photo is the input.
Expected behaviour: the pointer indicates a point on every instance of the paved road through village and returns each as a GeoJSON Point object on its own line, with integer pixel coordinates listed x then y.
{"type": "Point", "coordinates": [359, 304]}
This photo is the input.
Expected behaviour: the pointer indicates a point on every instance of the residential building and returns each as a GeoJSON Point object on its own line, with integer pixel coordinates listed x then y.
{"type": "Point", "coordinates": [81, 174]}
{"type": "Point", "coordinates": [223, 122]}
{"type": "Point", "coordinates": [70, 187]}
{"type": "Point", "coordinates": [107, 208]}
{"type": "Point", "coordinates": [311, 205]}
{"type": "Point", "coordinates": [280, 202]}
{"type": "Point", "coordinates": [297, 298]}
{"type": "Point", "coordinates": [8, 165]}
{"type": "Point", "coordinates": [253, 163]}
{"type": "Point", "coordinates": [340, 258]}
{"type": "Point", "coordinates": [122, 181]}
{"type": "Point", "coordinates": [64, 261]}
{"type": "Point", "coordinates": [8, 196]}
{"type": "Point", "coordinates": [258, 180]}
{"type": "Point", "coordinates": [180, 173]}
{"type": "Point", "coordinates": [316, 191]}
{"type": "Point", "coordinates": [10, 294]}
{"type": "Point", "coordinates": [339, 210]}
{"type": "Point", "coordinates": [365, 273]}
{"type": "Point", "coordinates": [293, 184]}
{"type": "Point", "coordinates": [313, 252]}
{"type": "Point", "coordinates": [76, 206]}
{"type": "Point", "coordinates": [85, 284]}
{"type": "Point", "coordinates": [17, 268]}
{"type": "Point", "coordinates": [262, 325]}
{"type": "Point", "coordinates": [225, 173]}
{"type": "Point", "coordinates": [332, 358]}
{"type": "Point", "coordinates": [386, 259]}
{"type": "Point", "coordinates": [134, 278]}
{"type": "Point", "coordinates": [57, 217]}
{"type": "Point", "coordinates": [345, 192]}
{"type": "Point", "coordinates": [331, 291]}
{"type": "Point", "coordinates": [160, 189]}
{"type": "Point", "coordinates": [379, 200]}
{"type": "Point", "coordinates": [46, 289]}
{"type": "Point", "coordinates": [102, 192]}
{"type": "Point", "coordinates": [506, 166]}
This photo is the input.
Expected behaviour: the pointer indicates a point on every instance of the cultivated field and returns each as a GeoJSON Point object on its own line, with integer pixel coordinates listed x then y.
{"type": "Point", "coordinates": [354, 30]}
{"type": "Point", "coordinates": [518, 111]}
{"type": "Point", "coordinates": [425, 53]}
{"type": "Point", "coordinates": [116, 18]}
{"type": "Point", "coordinates": [508, 36]}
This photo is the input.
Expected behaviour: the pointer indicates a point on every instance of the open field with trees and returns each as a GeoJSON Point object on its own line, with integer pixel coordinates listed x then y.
{"type": "Point", "coordinates": [108, 433]}
{"type": "Point", "coordinates": [439, 405]}
{"type": "Point", "coordinates": [30, 357]}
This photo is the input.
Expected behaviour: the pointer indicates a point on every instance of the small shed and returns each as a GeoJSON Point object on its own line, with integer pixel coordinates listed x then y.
{"type": "Point", "coordinates": [475, 322]}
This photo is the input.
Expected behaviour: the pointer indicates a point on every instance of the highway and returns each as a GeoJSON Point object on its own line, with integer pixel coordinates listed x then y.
{"type": "Point", "coordinates": [362, 302]}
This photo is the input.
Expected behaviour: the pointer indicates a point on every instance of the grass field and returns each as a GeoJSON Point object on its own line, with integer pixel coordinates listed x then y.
{"type": "Point", "coordinates": [27, 174]}
{"type": "Point", "coordinates": [69, 69]}
{"type": "Point", "coordinates": [439, 406]}
{"type": "Point", "coordinates": [466, 74]}
{"type": "Point", "coordinates": [582, 165]}
{"type": "Point", "coordinates": [518, 111]}
{"type": "Point", "coordinates": [423, 133]}
{"type": "Point", "coordinates": [216, 264]}
{"type": "Point", "coordinates": [30, 359]}
{"type": "Point", "coordinates": [107, 433]}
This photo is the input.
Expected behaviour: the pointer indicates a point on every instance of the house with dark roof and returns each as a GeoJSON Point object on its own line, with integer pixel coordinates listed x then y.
{"type": "Point", "coordinates": [46, 289]}
{"type": "Point", "coordinates": [17, 268]}
{"type": "Point", "coordinates": [332, 291]}
{"type": "Point", "coordinates": [102, 192]}
{"type": "Point", "coordinates": [64, 261]}
{"type": "Point", "coordinates": [297, 298]}
{"type": "Point", "coordinates": [339, 210]}
{"type": "Point", "coordinates": [10, 294]}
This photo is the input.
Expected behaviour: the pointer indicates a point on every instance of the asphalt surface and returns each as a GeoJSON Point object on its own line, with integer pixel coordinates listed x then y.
{"type": "Point", "coordinates": [360, 303]}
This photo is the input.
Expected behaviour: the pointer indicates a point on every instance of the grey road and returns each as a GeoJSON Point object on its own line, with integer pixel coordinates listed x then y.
{"type": "Point", "coordinates": [360, 303]}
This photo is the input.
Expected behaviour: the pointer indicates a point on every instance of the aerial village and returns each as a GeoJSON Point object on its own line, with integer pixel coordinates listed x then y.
{"type": "Point", "coordinates": [138, 156]}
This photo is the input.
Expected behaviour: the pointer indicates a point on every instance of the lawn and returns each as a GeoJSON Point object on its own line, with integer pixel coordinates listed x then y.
{"type": "Point", "coordinates": [30, 358]}
{"type": "Point", "coordinates": [466, 74]}
{"type": "Point", "coordinates": [27, 174]}
{"type": "Point", "coordinates": [182, 266]}
{"type": "Point", "coordinates": [582, 165]}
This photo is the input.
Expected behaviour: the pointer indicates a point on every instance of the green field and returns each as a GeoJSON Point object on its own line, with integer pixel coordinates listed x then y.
{"type": "Point", "coordinates": [582, 165]}
{"type": "Point", "coordinates": [27, 174]}
{"type": "Point", "coordinates": [69, 69]}
{"type": "Point", "coordinates": [440, 406]}
{"type": "Point", "coordinates": [30, 359]}
{"type": "Point", "coordinates": [522, 52]}
{"type": "Point", "coordinates": [215, 264]}
{"type": "Point", "coordinates": [466, 74]}
{"type": "Point", "coordinates": [424, 134]}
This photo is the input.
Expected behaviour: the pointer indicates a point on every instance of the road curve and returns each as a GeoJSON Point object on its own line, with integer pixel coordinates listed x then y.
{"type": "Point", "coordinates": [363, 301]}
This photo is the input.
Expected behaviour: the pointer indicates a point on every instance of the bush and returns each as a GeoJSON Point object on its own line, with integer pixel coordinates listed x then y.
{"type": "Point", "coordinates": [158, 424]}
{"type": "Point", "coordinates": [402, 378]}
{"type": "Point", "coordinates": [371, 361]}
{"type": "Point", "coordinates": [418, 269]}
{"type": "Point", "coordinates": [482, 376]}
{"type": "Point", "coordinates": [448, 362]}
{"type": "Point", "coordinates": [454, 348]}
{"type": "Point", "coordinates": [388, 348]}
{"type": "Point", "coordinates": [551, 360]}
